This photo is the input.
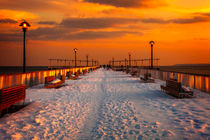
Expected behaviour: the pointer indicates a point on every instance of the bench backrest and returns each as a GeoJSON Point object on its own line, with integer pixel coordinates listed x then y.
{"type": "Point", "coordinates": [79, 71]}
{"type": "Point", "coordinates": [174, 85]}
{"type": "Point", "coordinates": [76, 73]}
{"type": "Point", "coordinates": [147, 76]}
{"type": "Point", "coordinates": [84, 71]}
{"type": "Point", "coordinates": [63, 78]}
{"type": "Point", "coordinates": [49, 79]}
{"type": "Point", "coordinates": [11, 95]}
{"type": "Point", "coordinates": [68, 74]}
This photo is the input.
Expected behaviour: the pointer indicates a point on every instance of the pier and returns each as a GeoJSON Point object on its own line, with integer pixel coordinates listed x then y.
{"type": "Point", "coordinates": [107, 104]}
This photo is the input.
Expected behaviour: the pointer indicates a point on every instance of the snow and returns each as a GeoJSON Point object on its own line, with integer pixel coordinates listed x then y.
{"type": "Point", "coordinates": [56, 81]}
{"type": "Point", "coordinates": [108, 105]}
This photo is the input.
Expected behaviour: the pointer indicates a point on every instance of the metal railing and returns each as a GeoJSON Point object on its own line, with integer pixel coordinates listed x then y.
{"type": "Point", "coordinates": [196, 81]}
{"type": "Point", "coordinates": [36, 77]}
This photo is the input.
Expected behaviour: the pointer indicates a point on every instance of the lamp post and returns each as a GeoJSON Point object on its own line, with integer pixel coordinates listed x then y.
{"type": "Point", "coordinates": [113, 62]}
{"type": "Point", "coordinates": [65, 63]}
{"type": "Point", "coordinates": [129, 54]}
{"type": "Point", "coordinates": [125, 62]}
{"type": "Point", "coordinates": [151, 43]}
{"type": "Point", "coordinates": [75, 53]}
{"type": "Point", "coordinates": [25, 26]}
{"type": "Point", "coordinates": [87, 60]}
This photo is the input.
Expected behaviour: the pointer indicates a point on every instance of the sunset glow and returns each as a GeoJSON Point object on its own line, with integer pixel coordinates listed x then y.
{"type": "Point", "coordinates": [104, 29]}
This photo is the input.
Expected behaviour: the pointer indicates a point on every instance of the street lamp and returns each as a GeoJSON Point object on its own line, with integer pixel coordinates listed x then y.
{"type": "Point", "coordinates": [113, 62]}
{"type": "Point", "coordinates": [25, 26]}
{"type": "Point", "coordinates": [151, 43]}
{"type": "Point", "coordinates": [87, 59]}
{"type": "Point", "coordinates": [75, 52]}
{"type": "Point", "coordinates": [129, 54]}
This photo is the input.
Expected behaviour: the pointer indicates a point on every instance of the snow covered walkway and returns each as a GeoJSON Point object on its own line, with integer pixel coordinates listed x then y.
{"type": "Point", "coordinates": [108, 105]}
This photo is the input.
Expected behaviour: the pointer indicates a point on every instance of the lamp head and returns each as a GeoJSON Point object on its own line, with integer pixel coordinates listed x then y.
{"type": "Point", "coordinates": [152, 43]}
{"type": "Point", "coordinates": [24, 25]}
{"type": "Point", "coordinates": [75, 49]}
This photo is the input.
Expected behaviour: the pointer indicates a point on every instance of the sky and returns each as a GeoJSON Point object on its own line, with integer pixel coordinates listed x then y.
{"type": "Point", "coordinates": [105, 29]}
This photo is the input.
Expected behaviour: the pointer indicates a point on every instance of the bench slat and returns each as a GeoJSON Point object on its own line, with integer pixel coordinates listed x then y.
{"type": "Point", "coordinates": [48, 83]}
{"type": "Point", "coordinates": [12, 95]}
{"type": "Point", "coordinates": [175, 89]}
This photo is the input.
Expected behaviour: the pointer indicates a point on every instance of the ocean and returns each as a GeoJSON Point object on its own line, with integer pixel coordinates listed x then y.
{"type": "Point", "coordinates": [19, 69]}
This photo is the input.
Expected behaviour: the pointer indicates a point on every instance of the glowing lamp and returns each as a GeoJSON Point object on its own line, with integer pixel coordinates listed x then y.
{"type": "Point", "coordinates": [75, 53]}
{"type": "Point", "coordinates": [75, 49]}
{"type": "Point", "coordinates": [24, 25]}
{"type": "Point", "coordinates": [151, 43]}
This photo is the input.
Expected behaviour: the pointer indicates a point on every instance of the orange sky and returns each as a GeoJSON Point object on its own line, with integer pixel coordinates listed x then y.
{"type": "Point", "coordinates": [105, 29]}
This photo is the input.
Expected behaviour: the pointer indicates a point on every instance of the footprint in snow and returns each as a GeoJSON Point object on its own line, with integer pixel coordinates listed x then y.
{"type": "Point", "coordinates": [137, 126]}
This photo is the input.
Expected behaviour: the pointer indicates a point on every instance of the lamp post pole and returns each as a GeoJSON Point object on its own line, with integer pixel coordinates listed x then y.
{"type": "Point", "coordinates": [113, 62]}
{"type": "Point", "coordinates": [75, 54]}
{"type": "Point", "coordinates": [125, 62]}
{"type": "Point", "coordinates": [152, 56]}
{"type": "Point", "coordinates": [24, 26]}
{"type": "Point", "coordinates": [87, 60]}
{"type": "Point", "coordinates": [24, 51]}
{"type": "Point", "coordinates": [65, 63]}
{"type": "Point", "coordinates": [151, 43]}
{"type": "Point", "coordinates": [129, 60]}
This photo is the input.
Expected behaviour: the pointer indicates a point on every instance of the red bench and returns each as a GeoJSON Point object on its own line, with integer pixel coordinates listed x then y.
{"type": "Point", "coordinates": [48, 79]}
{"type": "Point", "coordinates": [84, 72]}
{"type": "Point", "coordinates": [134, 73]}
{"type": "Point", "coordinates": [147, 78]}
{"type": "Point", "coordinates": [50, 84]}
{"type": "Point", "coordinates": [12, 95]}
{"type": "Point", "coordinates": [72, 76]}
{"type": "Point", "coordinates": [175, 89]}
{"type": "Point", "coordinates": [127, 71]}
{"type": "Point", "coordinates": [76, 76]}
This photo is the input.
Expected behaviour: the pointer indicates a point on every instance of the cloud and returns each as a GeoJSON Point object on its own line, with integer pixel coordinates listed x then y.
{"type": "Point", "coordinates": [196, 19]}
{"type": "Point", "coordinates": [93, 28]}
{"type": "Point", "coordinates": [206, 14]}
{"type": "Point", "coordinates": [95, 23]}
{"type": "Point", "coordinates": [47, 33]}
{"type": "Point", "coordinates": [47, 22]}
{"type": "Point", "coordinates": [129, 3]}
{"type": "Point", "coordinates": [63, 34]}
{"type": "Point", "coordinates": [27, 4]}
{"type": "Point", "coordinates": [202, 14]}
{"type": "Point", "coordinates": [154, 20]}
{"type": "Point", "coordinates": [120, 3]}
{"type": "Point", "coordinates": [7, 20]}
{"type": "Point", "coordinates": [75, 29]}
{"type": "Point", "coordinates": [10, 37]}
{"type": "Point", "coordinates": [102, 23]}
{"type": "Point", "coordinates": [91, 35]}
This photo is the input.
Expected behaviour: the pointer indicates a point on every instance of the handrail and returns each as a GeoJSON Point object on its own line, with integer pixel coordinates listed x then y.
{"type": "Point", "coordinates": [36, 77]}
